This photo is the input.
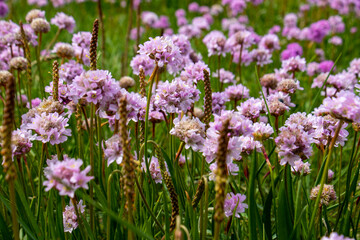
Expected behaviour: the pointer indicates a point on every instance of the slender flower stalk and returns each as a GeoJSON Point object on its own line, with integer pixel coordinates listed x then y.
{"type": "Point", "coordinates": [6, 152]}
{"type": "Point", "coordinates": [127, 40]}
{"type": "Point", "coordinates": [103, 39]}
{"type": "Point", "coordinates": [221, 178]}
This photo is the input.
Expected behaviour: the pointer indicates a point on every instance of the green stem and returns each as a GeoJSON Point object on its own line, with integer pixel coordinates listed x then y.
{"type": "Point", "coordinates": [91, 145]}
{"type": "Point", "coordinates": [40, 179]}
{"type": "Point", "coordinates": [323, 179]}
{"type": "Point", "coordinates": [15, 225]}
{"type": "Point", "coordinates": [109, 202]}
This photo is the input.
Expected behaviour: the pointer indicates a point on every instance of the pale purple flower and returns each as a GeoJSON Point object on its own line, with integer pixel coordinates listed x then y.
{"type": "Point", "coordinates": [225, 76]}
{"type": "Point", "coordinates": [93, 87]}
{"type": "Point", "coordinates": [142, 62]}
{"type": "Point", "coordinates": [293, 143]}
{"type": "Point", "coordinates": [319, 30]}
{"type": "Point", "coordinates": [64, 21]}
{"type": "Point", "coordinates": [63, 91]}
{"type": "Point", "coordinates": [239, 38]}
{"type": "Point", "coordinates": [113, 150]}
{"type": "Point", "coordinates": [154, 168]}
{"type": "Point", "coordinates": [66, 175]}
{"type": "Point", "coordinates": [176, 96]}
{"type": "Point", "coordinates": [294, 64]}
{"type": "Point", "coordinates": [190, 31]}
{"type": "Point", "coordinates": [81, 45]}
{"type": "Point", "coordinates": [193, 7]}
{"type": "Point", "coordinates": [163, 51]}
{"type": "Point", "coordinates": [270, 42]}
{"type": "Point", "coordinates": [301, 168]}
{"type": "Point", "coordinates": [39, 3]}
{"type": "Point", "coordinates": [336, 236]}
{"type": "Point", "coordinates": [21, 142]}
{"type": "Point", "coordinates": [238, 126]}
{"type": "Point", "coordinates": [149, 18]}
{"type": "Point", "coordinates": [70, 220]}
{"type": "Point", "coordinates": [261, 56]}
{"type": "Point", "coordinates": [262, 131]}
{"type": "Point", "coordinates": [292, 50]}
{"type": "Point", "coordinates": [134, 32]}
{"type": "Point", "coordinates": [215, 43]}
{"type": "Point", "coordinates": [237, 92]}
{"type": "Point", "coordinates": [248, 144]}
{"type": "Point", "coordinates": [201, 23]}
{"type": "Point", "coordinates": [325, 66]}
{"type": "Point", "coordinates": [251, 108]}
{"type": "Point", "coordinates": [162, 22]}
{"type": "Point", "coordinates": [50, 128]}
{"type": "Point", "coordinates": [234, 204]}
{"type": "Point", "coordinates": [183, 43]}
{"type": "Point", "coordinates": [68, 71]}
{"type": "Point", "coordinates": [3, 9]}
{"type": "Point", "coordinates": [189, 130]}
{"type": "Point", "coordinates": [290, 20]}
{"type": "Point", "coordinates": [312, 68]}
{"type": "Point", "coordinates": [219, 100]}
{"type": "Point", "coordinates": [336, 23]}
{"type": "Point", "coordinates": [194, 72]}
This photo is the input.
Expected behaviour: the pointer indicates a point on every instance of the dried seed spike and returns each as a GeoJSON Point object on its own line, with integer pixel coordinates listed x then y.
{"type": "Point", "coordinates": [170, 186]}
{"type": "Point", "coordinates": [27, 56]}
{"type": "Point", "coordinates": [198, 194]}
{"type": "Point", "coordinates": [142, 83]}
{"type": "Point", "coordinates": [56, 81]}
{"type": "Point", "coordinates": [221, 172]}
{"type": "Point", "coordinates": [93, 45]}
{"type": "Point", "coordinates": [208, 99]}
{"type": "Point", "coordinates": [7, 126]}
{"type": "Point", "coordinates": [129, 167]}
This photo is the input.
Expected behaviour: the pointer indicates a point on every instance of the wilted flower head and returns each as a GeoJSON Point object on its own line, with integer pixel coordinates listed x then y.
{"type": "Point", "coordinates": [64, 50]}
{"type": "Point", "coordinates": [33, 14]}
{"type": "Point", "coordinates": [66, 175]}
{"type": "Point", "coordinates": [269, 81]}
{"type": "Point", "coordinates": [70, 220]}
{"type": "Point", "coordinates": [328, 194]}
{"type": "Point", "coordinates": [234, 205]}
{"type": "Point", "coordinates": [18, 63]}
{"type": "Point", "coordinates": [289, 85]}
{"type": "Point", "coordinates": [40, 25]}
{"type": "Point", "coordinates": [189, 130]}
